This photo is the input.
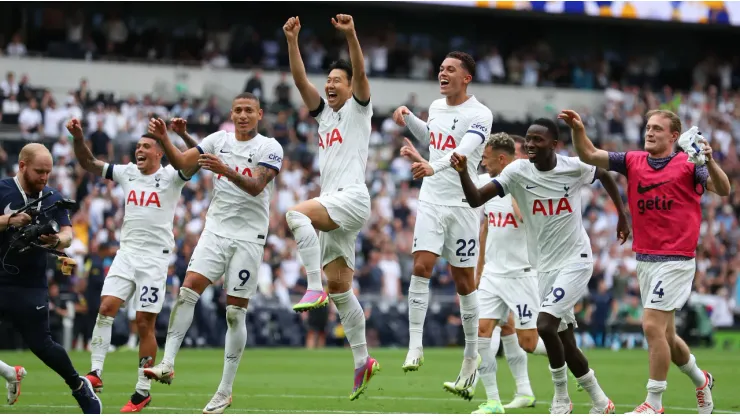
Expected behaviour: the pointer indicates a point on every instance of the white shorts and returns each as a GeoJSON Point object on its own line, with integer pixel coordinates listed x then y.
{"type": "Point", "coordinates": [238, 261]}
{"type": "Point", "coordinates": [497, 296]}
{"type": "Point", "coordinates": [449, 232]}
{"type": "Point", "coordinates": [665, 285]}
{"type": "Point", "coordinates": [561, 289]}
{"type": "Point", "coordinates": [349, 207]}
{"type": "Point", "coordinates": [141, 278]}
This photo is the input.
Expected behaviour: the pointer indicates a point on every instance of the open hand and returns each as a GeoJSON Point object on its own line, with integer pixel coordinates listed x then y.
{"type": "Point", "coordinates": [421, 169]}
{"type": "Point", "coordinates": [179, 125]}
{"type": "Point", "coordinates": [572, 119]}
{"type": "Point", "coordinates": [410, 152]}
{"type": "Point", "coordinates": [157, 128]}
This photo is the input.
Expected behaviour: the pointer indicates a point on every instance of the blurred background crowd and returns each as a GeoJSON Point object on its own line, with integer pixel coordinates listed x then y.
{"type": "Point", "coordinates": [699, 84]}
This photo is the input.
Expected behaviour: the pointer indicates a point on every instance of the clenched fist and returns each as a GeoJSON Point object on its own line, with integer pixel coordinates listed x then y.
{"type": "Point", "coordinates": [291, 28]}
{"type": "Point", "coordinates": [344, 23]}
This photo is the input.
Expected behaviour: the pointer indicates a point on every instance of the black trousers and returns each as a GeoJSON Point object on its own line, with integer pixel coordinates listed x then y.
{"type": "Point", "coordinates": [27, 309]}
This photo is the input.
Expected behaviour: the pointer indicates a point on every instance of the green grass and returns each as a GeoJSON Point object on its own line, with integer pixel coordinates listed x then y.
{"type": "Point", "coordinates": [319, 381]}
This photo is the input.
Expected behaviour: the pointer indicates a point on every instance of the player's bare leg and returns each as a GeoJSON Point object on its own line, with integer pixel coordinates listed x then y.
{"type": "Point", "coordinates": [424, 262]}
{"type": "Point", "coordinates": [516, 344]}
{"type": "Point", "coordinates": [180, 320]}
{"type": "Point", "coordinates": [13, 377]}
{"type": "Point", "coordinates": [101, 336]}
{"type": "Point", "coordinates": [339, 283]}
{"type": "Point", "coordinates": [303, 219]}
{"type": "Point", "coordinates": [488, 368]}
{"type": "Point", "coordinates": [578, 364]}
{"type": "Point", "coordinates": [464, 386]}
{"type": "Point", "coordinates": [236, 340]}
{"type": "Point", "coordinates": [145, 324]}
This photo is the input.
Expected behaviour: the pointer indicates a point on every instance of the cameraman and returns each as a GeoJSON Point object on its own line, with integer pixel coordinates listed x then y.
{"type": "Point", "coordinates": [24, 299]}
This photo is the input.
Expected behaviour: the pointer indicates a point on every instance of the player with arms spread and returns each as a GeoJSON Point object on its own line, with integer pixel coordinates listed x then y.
{"type": "Point", "coordinates": [446, 226]}
{"type": "Point", "coordinates": [232, 243]}
{"type": "Point", "coordinates": [548, 191]}
{"type": "Point", "coordinates": [139, 270]}
{"type": "Point", "coordinates": [663, 185]}
{"type": "Point", "coordinates": [343, 207]}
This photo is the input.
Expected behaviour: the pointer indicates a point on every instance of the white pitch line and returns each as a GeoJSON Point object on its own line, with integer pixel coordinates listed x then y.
{"type": "Point", "coordinates": [305, 396]}
{"type": "Point", "coordinates": [197, 410]}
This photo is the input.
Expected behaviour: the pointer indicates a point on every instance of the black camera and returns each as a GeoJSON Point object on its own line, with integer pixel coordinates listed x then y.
{"type": "Point", "coordinates": [25, 237]}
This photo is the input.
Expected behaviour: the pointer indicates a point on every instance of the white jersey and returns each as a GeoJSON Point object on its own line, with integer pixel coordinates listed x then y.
{"type": "Point", "coordinates": [233, 213]}
{"type": "Point", "coordinates": [506, 243]}
{"type": "Point", "coordinates": [149, 207]}
{"type": "Point", "coordinates": [446, 127]}
{"type": "Point", "coordinates": [344, 138]}
{"type": "Point", "coordinates": [550, 203]}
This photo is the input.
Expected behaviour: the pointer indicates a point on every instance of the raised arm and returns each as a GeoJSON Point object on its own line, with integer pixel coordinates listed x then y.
{"type": "Point", "coordinates": [477, 132]}
{"type": "Point", "coordinates": [409, 151]}
{"type": "Point", "coordinates": [717, 182]}
{"type": "Point", "coordinates": [187, 160]}
{"type": "Point", "coordinates": [360, 83]}
{"type": "Point", "coordinates": [610, 185]}
{"type": "Point", "coordinates": [179, 126]}
{"type": "Point", "coordinates": [82, 152]}
{"type": "Point", "coordinates": [587, 152]}
{"type": "Point", "coordinates": [309, 93]}
{"type": "Point", "coordinates": [474, 195]}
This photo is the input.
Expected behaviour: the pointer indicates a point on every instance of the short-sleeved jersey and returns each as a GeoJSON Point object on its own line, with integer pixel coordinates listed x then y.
{"type": "Point", "coordinates": [149, 207]}
{"type": "Point", "coordinates": [506, 243]}
{"type": "Point", "coordinates": [27, 269]}
{"type": "Point", "coordinates": [233, 213]}
{"type": "Point", "coordinates": [446, 127]}
{"type": "Point", "coordinates": [344, 138]}
{"type": "Point", "coordinates": [550, 203]}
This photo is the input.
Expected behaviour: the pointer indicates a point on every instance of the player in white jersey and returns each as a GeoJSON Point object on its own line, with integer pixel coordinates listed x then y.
{"type": "Point", "coordinates": [343, 207]}
{"type": "Point", "coordinates": [244, 165]}
{"type": "Point", "coordinates": [139, 269]}
{"type": "Point", "coordinates": [548, 191]}
{"type": "Point", "coordinates": [445, 225]}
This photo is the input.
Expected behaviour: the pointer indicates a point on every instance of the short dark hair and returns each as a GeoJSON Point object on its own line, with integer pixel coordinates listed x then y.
{"type": "Point", "coordinates": [517, 138]}
{"type": "Point", "coordinates": [149, 136]}
{"type": "Point", "coordinates": [550, 125]}
{"type": "Point", "coordinates": [247, 96]}
{"type": "Point", "coordinates": [466, 61]}
{"type": "Point", "coordinates": [343, 65]}
{"type": "Point", "coordinates": [502, 142]}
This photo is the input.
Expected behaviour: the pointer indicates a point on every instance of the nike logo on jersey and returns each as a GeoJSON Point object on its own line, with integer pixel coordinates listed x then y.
{"type": "Point", "coordinates": [656, 301]}
{"type": "Point", "coordinates": [8, 210]}
{"type": "Point", "coordinates": [131, 179]}
{"type": "Point", "coordinates": [236, 289]}
{"type": "Point", "coordinates": [642, 189]}
{"type": "Point", "coordinates": [222, 151]}
{"type": "Point", "coordinates": [146, 305]}
{"type": "Point", "coordinates": [463, 260]}
{"type": "Point", "coordinates": [531, 186]}
{"type": "Point", "coordinates": [523, 322]}
{"type": "Point", "coordinates": [38, 308]}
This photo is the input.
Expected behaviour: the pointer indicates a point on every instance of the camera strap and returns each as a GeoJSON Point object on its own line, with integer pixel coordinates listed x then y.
{"type": "Point", "coordinates": [23, 193]}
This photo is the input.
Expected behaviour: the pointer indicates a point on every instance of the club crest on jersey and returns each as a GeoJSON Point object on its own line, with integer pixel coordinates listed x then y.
{"type": "Point", "coordinates": [250, 156]}
{"type": "Point", "coordinates": [454, 122]}
{"type": "Point", "coordinates": [565, 188]}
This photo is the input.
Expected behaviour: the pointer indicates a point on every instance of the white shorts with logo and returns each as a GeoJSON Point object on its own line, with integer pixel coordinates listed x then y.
{"type": "Point", "coordinates": [449, 232]}
{"type": "Point", "coordinates": [140, 278]}
{"type": "Point", "coordinates": [238, 261]}
{"type": "Point", "coordinates": [665, 285]}
{"type": "Point", "coordinates": [349, 207]}
{"type": "Point", "coordinates": [561, 289]}
{"type": "Point", "coordinates": [497, 296]}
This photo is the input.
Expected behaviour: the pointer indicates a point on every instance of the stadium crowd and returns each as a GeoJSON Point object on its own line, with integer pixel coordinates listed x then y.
{"type": "Point", "coordinates": [384, 261]}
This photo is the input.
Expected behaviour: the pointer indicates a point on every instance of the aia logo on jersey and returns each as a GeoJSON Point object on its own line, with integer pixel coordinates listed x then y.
{"type": "Point", "coordinates": [499, 220]}
{"type": "Point", "coordinates": [549, 207]}
{"type": "Point", "coordinates": [440, 144]}
{"type": "Point", "coordinates": [332, 137]}
{"type": "Point", "coordinates": [143, 199]}
{"type": "Point", "coordinates": [244, 172]}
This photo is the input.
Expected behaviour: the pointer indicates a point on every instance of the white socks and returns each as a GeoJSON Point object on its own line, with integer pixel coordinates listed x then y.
{"type": "Point", "coordinates": [353, 320]}
{"type": "Point", "coordinates": [496, 339]}
{"type": "Point", "coordinates": [418, 304]}
{"type": "Point", "coordinates": [236, 340]}
{"type": "Point", "coordinates": [100, 342]}
{"type": "Point", "coordinates": [692, 370]}
{"type": "Point", "coordinates": [517, 359]}
{"type": "Point", "coordinates": [143, 384]}
{"type": "Point", "coordinates": [488, 368]}
{"type": "Point", "coordinates": [180, 320]}
{"type": "Point", "coordinates": [7, 371]}
{"type": "Point", "coordinates": [540, 348]}
{"type": "Point", "coordinates": [469, 313]}
{"type": "Point", "coordinates": [308, 247]}
{"type": "Point", "coordinates": [560, 380]}
{"type": "Point", "coordinates": [655, 393]}
{"type": "Point", "coordinates": [589, 383]}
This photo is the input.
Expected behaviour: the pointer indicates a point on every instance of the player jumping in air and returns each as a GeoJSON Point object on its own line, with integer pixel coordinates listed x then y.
{"type": "Point", "coordinates": [343, 207]}
{"type": "Point", "coordinates": [506, 281]}
{"type": "Point", "coordinates": [244, 165]}
{"type": "Point", "coordinates": [445, 225]}
{"type": "Point", "coordinates": [663, 186]}
{"type": "Point", "coordinates": [139, 270]}
{"type": "Point", "coordinates": [548, 191]}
